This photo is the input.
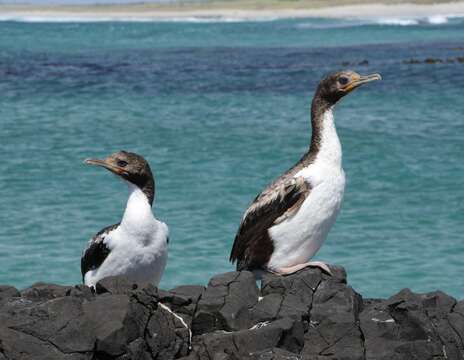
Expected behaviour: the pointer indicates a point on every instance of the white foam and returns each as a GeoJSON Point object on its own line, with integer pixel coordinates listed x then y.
{"type": "Point", "coordinates": [397, 21]}
{"type": "Point", "coordinates": [381, 21]}
{"type": "Point", "coordinates": [437, 20]}
{"type": "Point", "coordinates": [413, 21]}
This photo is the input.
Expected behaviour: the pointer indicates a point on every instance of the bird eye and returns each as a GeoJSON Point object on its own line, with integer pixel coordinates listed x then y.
{"type": "Point", "coordinates": [343, 80]}
{"type": "Point", "coordinates": [122, 163]}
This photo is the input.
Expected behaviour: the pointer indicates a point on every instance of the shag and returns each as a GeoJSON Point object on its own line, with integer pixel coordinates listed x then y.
{"type": "Point", "coordinates": [137, 247]}
{"type": "Point", "coordinates": [288, 222]}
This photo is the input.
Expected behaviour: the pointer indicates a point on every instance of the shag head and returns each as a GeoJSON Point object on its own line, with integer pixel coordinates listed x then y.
{"type": "Point", "coordinates": [130, 167]}
{"type": "Point", "coordinates": [337, 85]}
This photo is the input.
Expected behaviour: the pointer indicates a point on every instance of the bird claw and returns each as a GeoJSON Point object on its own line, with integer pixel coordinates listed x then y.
{"type": "Point", "coordinates": [293, 269]}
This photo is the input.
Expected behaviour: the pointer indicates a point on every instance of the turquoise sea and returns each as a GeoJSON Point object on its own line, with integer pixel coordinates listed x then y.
{"type": "Point", "coordinates": [220, 109]}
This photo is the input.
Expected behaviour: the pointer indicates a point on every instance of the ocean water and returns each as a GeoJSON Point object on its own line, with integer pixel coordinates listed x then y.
{"type": "Point", "coordinates": [220, 109]}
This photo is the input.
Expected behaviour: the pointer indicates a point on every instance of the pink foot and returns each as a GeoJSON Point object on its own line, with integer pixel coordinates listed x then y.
{"type": "Point", "coordinates": [293, 269]}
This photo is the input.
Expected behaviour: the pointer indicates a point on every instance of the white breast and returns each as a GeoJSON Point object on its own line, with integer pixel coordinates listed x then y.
{"type": "Point", "coordinates": [139, 248]}
{"type": "Point", "coordinates": [297, 239]}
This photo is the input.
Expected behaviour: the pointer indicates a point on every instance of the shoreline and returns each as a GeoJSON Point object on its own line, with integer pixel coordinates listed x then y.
{"type": "Point", "coordinates": [154, 12]}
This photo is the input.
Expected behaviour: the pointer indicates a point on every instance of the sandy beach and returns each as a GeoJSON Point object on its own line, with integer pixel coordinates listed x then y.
{"type": "Point", "coordinates": [240, 10]}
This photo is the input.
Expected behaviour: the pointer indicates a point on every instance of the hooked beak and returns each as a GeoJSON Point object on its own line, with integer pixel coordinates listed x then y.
{"type": "Point", "coordinates": [358, 81]}
{"type": "Point", "coordinates": [104, 163]}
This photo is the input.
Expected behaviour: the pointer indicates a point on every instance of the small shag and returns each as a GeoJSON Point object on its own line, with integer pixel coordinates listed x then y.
{"type": "Point", "coordinates": [137, 247]}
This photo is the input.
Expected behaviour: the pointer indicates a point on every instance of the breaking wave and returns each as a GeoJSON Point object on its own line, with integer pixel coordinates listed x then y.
{"type": "Point", "coordinates": [381, 21]}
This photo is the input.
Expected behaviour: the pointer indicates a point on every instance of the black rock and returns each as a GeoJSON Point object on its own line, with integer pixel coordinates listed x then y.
{"type": "Point", "coordinates": [183, 300]}
{"type": "Point", "coordinates": [184, 296]}
{"type": "Point", "coordinates": [226, 302]}
{"type": "Point", "coordinates": [8, 292]}
{"type": "Point", "coordinates": [433, 61]}
{"type": "Point", "coordinates": [275, 354]}
{"type": "Point", "coordinates": [307, 315]}
{"type": "Point", "coordinates": [43, 292]}
{"type": "Point", "coordinates": [166, 337]}
{"type": "Point", "coordinates": [459, 308]}
{"type": "Point", "coordinates": [285, 333]}
{"type": "Point", "coordinates": [82, 291]}
{"type": "Point", "coordinates": [410, 325]}
{"type": "Point", "coordinates": [54, 322]}
{"type": "Point", "coordinates": [334, 325]}
{"type": "Point", "coordinates": [115, 285]}
{"type": "Point", "coordinates": [286, 296]}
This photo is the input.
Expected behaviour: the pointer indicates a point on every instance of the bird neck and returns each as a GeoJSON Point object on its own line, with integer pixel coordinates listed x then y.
{"type": "Point", "coordinates": [325, 144]}
{"type": "Point", "coordinates": [138, 207]}
{"type": "Point", "coordinates": [148, 189]}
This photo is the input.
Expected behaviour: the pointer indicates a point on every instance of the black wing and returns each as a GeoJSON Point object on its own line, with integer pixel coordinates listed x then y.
{"type": "Point", "coordinates": [96, 251]}
{"type": "Point", "coordinates": [252, 246]}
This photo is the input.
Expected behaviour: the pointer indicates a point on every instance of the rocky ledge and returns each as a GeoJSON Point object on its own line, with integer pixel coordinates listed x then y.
{"type": "Point", "coordinates": [308, 315]}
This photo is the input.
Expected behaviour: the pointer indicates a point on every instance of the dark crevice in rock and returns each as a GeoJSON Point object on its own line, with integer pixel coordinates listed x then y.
{"type": "Point", "coordinates": [456, 332]}
{"type": "Point", "coordinates": [363, 339]}
{"type": "Point", "coordinates": [146, 333]}
{"type": "Point", "coordinates": [235, 345]}
{"type": "Point", "coordinates": [94, 356]}
{"type": "Point", "coordinates": [335, 342]}
{"type": "Point", "coordinates": [310, 307]}
{"type": "Point", "coordinates": [280, 305]}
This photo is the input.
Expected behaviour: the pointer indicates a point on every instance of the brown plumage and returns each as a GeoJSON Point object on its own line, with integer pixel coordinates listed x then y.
{"type": "Point", "coordinates": [252, 246]}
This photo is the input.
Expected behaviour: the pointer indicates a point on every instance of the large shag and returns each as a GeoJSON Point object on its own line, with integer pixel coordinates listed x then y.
{"type": "Point", "coordinates": [288, 222]}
